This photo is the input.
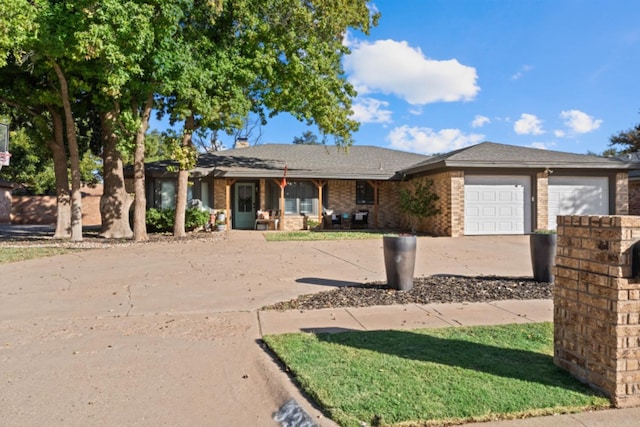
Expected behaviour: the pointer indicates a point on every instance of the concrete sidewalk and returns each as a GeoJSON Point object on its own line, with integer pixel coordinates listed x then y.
{"type": "Point", "coordinates": [411, 316]}
{"type": "Point", "coordinates": [169, 334]}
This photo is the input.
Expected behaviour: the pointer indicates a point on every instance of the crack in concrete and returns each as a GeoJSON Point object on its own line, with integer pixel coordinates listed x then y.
{"type": "Point", "coordinates": [129, 300]}
{"type": "Point", "coordinates": [66, 279]}
{"type": "Point", "coordinates": [345, 260]}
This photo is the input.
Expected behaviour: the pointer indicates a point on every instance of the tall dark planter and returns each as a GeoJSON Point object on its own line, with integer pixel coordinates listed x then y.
{"type": "Point", "coordinates": [399, 261]}
{"type": "Point", "coordinates": [543, 254]}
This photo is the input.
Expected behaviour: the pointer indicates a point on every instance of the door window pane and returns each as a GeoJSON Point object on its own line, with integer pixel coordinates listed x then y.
{"type": "Point", "coordinates": [245, 198]}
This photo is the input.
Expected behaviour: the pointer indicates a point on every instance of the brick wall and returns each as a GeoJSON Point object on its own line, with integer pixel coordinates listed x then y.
{"type": "Point", "coordinates": [449, 186]}
{"type": "Point", "coordinates": [634, 197]}
{"type": "Point", "coordinates": [597, 304]}
{"type": "Point", "coordinates": [43, 209]}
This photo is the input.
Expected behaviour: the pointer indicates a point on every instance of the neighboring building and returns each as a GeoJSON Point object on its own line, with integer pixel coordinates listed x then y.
{"type": "Point", "coordinates": [487, 188]}
{"type": "Point", "coordinates": [634, 183]}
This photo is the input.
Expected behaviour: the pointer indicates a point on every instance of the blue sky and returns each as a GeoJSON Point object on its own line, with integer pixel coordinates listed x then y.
{"type": "Point", "coordinates": [435, 76]}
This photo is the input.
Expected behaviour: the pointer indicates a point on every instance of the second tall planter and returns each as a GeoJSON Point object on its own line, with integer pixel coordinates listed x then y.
{"type": "Point", "coordinates": [543, 255]}
{"type": "Point", "coordinates": [399, 261]}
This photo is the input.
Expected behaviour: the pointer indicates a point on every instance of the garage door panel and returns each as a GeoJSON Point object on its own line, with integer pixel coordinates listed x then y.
{"type": "Point", "coordinates": [503, 201]}
{"type": "Point", "coordinates": [577, 196]}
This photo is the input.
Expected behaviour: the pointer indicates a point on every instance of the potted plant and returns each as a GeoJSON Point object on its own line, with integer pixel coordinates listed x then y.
{"type": "Point", "coordinates": [400, 249]}
{"type": "Point", "coordinates": [542, 245]}
{"type": "Point", "coordinates": [221, 225]}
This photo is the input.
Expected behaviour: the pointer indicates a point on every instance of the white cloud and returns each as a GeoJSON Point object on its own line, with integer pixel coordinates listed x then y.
{"type": "Point", "coordinates": [528, 124]}
{"type": "Point", "coordinates": [580, 122]}
{"type": "Point", "coordinates": [479, 121]}
{"type": "Point", "coordinates": [521, 72]}
{"type": "Point", "coordinates": [559, 133]}
{"type": "Point", "coordinates": [393, 67]}
{"type": "Point", "coordinates": [427, 141]}
{"type": "Point", "coordinates": [542, 145]}
{"type": "Point", "coordinates": [371, 110]}
{"type": "Point", "coordinates": [415, 110]}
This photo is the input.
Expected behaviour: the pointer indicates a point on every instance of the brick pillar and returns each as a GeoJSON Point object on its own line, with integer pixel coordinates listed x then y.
{"type": "Point", "coordinates": [597, 304]}
{"type": "Point", "coordinates": [622, 193]}
{"type": "Point", "coordinates": [542, 200]}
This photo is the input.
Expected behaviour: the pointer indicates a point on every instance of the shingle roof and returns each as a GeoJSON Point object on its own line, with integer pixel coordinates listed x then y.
{"type": "Point", "coordinates": [307, 161]}
{"type": "Point", "coordinates": [493, 155]}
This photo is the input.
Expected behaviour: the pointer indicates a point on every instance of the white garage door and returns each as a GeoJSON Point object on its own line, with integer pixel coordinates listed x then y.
{"type": "Point", "coordinates": [577, 195]}
{"type": "Point", "coordinates": [497, 204]}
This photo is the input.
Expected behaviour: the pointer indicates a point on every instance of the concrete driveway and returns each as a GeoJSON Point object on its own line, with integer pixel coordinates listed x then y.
{"type": "Point", "coordinates": [169, 334]}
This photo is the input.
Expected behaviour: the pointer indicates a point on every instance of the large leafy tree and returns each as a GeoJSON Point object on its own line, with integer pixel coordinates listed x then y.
{"type": "Point", "coordinates": [628, 141]}
{"type": "Point", "coordinates": [265, 57]}
{"type": "Point", "coordinates": [206, 63]}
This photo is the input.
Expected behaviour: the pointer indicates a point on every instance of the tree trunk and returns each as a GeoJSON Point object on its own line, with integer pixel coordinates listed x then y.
{"type": "Point", "coordinates": [140, 202]}
{"type": "Point", "coordinates": [74, 156]}
{"type": "Point", "coordinates": [115, 201]}
{"type": "Point", "coordinates": [183, 182]}
{"type": "Point", "coordinates": [56, 145]}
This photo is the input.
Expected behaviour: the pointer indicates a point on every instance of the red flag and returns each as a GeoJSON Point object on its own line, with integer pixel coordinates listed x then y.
{"type": "Point", "coordinates": [284, 177]}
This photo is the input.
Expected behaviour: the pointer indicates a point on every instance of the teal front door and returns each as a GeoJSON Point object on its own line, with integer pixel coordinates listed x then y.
{"type": "Point", "coordinates": [244, 205]}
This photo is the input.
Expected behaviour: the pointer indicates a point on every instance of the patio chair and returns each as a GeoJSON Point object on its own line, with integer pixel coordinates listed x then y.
{"type": "Point", "coordinates": [360, 219]}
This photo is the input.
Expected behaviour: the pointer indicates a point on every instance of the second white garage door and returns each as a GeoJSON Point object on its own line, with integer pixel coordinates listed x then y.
{"type": "Point", "coordinates": [577, 195]}
{"type": "Point", "coordinates": [497, 204]}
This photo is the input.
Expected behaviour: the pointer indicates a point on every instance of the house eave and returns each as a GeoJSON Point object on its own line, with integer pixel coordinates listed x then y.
{"type": "Point", "coordinates": [518, 165]}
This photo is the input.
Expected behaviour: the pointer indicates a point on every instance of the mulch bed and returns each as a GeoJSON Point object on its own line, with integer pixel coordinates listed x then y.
{"type": "Point", "coordinates": [426, 290]}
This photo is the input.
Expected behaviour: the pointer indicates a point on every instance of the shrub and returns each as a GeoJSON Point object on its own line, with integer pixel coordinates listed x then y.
{"type": "Point", "coordinates": [419, 202]}
{"type": "Point", "coordinates": [195, 218]}
{"type": "Point", "coordinates": [162, 220]}
{"type": "Point", "coordinates": [312, 224]}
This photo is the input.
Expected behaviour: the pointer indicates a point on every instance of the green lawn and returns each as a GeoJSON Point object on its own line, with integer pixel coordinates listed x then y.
{"type": "Point", "coordinates": [433, 377]}
{"type": "Point", "coordinates": [322, 235]}
{"type": "Point", "coordinates": [22, 254]}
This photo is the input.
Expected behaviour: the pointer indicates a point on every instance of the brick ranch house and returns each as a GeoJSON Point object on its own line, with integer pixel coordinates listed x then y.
{"type": "Point", "coordinates": [487, 188]}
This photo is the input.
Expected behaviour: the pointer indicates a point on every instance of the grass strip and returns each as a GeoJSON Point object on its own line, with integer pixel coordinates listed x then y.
{"type": "Point", "coordinates": [22, 254]}
{"type": "Point", "coordinates": [433, 377]}
{"type": "Point", "coordinates": [322, 235]}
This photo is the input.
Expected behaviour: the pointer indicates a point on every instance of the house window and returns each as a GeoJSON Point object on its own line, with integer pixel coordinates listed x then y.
{"type": "Point", "coordinates": [365, 194]}
{"type": "Point", "coordinates": [300, 197]}
{"type": "Point", "coordinates": [167, 194]}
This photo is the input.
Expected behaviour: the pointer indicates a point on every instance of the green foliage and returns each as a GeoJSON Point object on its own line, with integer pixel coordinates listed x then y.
{"type": "Point", "coordinates": [32, 167]}
{"type": "Point", "coordinates": [28, 252]}
{"type": "Point", "coordinates": [629, 140]}
{"type": "Point", "coordinates": [421, 202]}
{"type": "Point", "coordinates": [307, 138]}
{"type": "Point", "coordinates": [433, 376]}
{"type": "Point", "coordinates": [195, 218]}
{"type": "Point", "coordinates": [312, 224]}
{"type": "Point", "coordinates": [544, 231]}
{"type": "Point", "coordinates": [162, 220]}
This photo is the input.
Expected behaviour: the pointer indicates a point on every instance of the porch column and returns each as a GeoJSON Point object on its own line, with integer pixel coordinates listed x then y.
{"type": "Point", "coordinates": [281, 222]}
{"type": "Point", "coordinates": [374, 184]}
{"type": "Point", "coordinates": [320, 184]}
{"type": "Point", "coordinates": [229, 183]}
{"type": "Point", "coordinates": [281, 184]}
